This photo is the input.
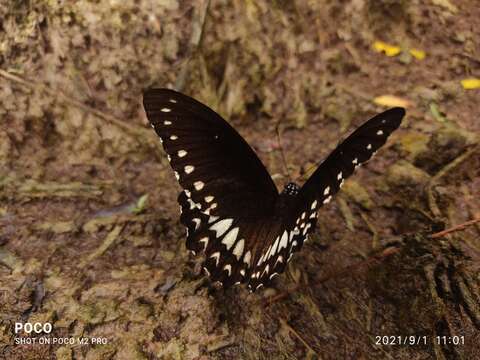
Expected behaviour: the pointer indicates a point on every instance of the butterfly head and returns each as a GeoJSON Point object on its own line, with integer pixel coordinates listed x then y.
{"type": "Point", "coordinates": [291, 189]}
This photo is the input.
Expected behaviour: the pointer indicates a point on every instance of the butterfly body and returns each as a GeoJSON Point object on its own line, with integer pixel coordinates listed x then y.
{"type": "Point", "coordinates": [229, 204]}
{"type": "Point", "coordinates": [291, 189]}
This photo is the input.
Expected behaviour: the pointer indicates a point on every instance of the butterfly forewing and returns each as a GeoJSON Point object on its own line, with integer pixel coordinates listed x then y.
{"type": "Point", "coordinates": [355, 150]}
{"type": "Point", "coordinates": [229, 202]}
{"type": "Point", "coordinates": [225, 185]}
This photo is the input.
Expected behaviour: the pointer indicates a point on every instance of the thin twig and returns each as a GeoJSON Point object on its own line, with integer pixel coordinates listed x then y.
{"type": "Point", "coordinates": [143, 135]}
{"type": "Point", "coordinates": [455, 228]}
{"type": "Point", "coordinates": [297, 335]}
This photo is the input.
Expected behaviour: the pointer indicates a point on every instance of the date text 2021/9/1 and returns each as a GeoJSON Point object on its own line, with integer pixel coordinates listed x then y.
{"type": "Point", "coordinates": [418, 340]}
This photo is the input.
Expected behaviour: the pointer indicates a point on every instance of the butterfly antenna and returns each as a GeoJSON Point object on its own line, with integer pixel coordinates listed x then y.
{"type": "Point", "coordinates": [307, 172]}
{"type": "Point", "coordinates": [284, 159]}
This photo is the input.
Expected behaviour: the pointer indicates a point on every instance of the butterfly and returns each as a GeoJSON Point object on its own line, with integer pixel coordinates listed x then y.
{"type": "Point", "coordinates": [230, 205]}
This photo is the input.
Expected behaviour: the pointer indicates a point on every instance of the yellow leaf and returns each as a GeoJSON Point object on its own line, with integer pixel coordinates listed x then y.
{"type": "Point", "coordinates": [389, 50]}
{"type": "Point", "coordinates": [470, 84]}
{"type": "Point", "coordinates": [418, 54]}
{"type": "Point", "coordinates": [391, 100]}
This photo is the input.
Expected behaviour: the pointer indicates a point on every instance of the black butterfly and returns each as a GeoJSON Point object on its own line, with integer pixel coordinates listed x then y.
{"type": "Point", "coordinates": [230, 205]}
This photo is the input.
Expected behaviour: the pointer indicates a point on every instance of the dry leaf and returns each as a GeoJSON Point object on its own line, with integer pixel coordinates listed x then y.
{"type": "Point", "coordinates": [470, 84]}
{"type": "Point", "coordinates": [389, 50]}
{"type": "Point", "coordinates": [391, 100]}
{"type": "Point", "coordinates": [417, 54]}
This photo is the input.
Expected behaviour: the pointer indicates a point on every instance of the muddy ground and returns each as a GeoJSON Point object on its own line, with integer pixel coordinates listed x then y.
{"type": "Point", "coordinates": [90, 238]}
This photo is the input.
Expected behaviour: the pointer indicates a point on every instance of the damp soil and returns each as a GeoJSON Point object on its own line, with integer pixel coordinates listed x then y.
{"type": "Point", "coordinates": [90, 238]}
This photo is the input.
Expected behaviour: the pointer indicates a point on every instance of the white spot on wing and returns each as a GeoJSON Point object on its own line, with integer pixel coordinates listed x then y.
{"type": "Point", "coordinates": [262, 258]}
{"type": "Point", "coordinates": [197, 222]}
{"type": "Point", "coordinates": [327, 200]}
{"type": "Point", "coordinates": [198, 185]}
{"type": "Point", "coordinates": [369, 146]}
{"type": "Point", "coordinates": [166, 122]}
{"type": "Point", "coordinates": [339, 176]}
{"type": "Point", "coordinates": [228, 267]}
{"type": "Point", "coordinates": [222, 226]}
{"type": "Point", "coordinates": [238, 250]}
{"type": "Point", "coordinates": [189, 168]}
{"type": "Point", "coordinates": [216, 256]}
{"type": "Point", "coordinates": [267, 268]}
{"type": "Point", "coordinates": [306, 229]}
{"type": "Point", "coordinates": [177, 176]}
{"type": "Point", "coordinates": [283, 241]}
{"type": "Point", "coordinates": [212, 219]}
{"type": "Point", "coordinates": [326, 191]}
{"type": "Point", "coordinates": [379, 132]}
{"type": "Point", "coordinates": [229, 239]}
{"type": "Point", "coordinates": [355, 161]}
{"type": "Point", "coordinates": [166, 110]}
{"type": "Point", "coordinates": [209, 198]}
{"type": "Point", "coordinates": [181, 153]}
{"type": "Point", "coordinates": [275, 245]}
{"type": "Point", "coordinates": [173, 137]}
{"type": "Point", "coordinates": [314, 205]}
{"type": "Point", "coordinates": [204, 240]}
{"type": "Point", "coordinates": [247, 258]}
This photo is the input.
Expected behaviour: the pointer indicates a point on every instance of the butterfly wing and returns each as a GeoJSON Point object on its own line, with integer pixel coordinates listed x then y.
{"type": "Point", "coordinates": [325, 182]}
{"type": "Point", "coordinates": [227, 193]}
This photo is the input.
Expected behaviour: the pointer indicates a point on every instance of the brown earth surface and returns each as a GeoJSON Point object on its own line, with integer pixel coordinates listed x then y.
{"type": "Point", "coordinates": [83, 248]}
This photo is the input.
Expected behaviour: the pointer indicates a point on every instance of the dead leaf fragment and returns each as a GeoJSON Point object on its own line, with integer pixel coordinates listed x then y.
{"type": "Point", "coordinates": [391, 101]}
{"type": "Point", "coordinates": [109, 240]}
{"type": "Point", "coordinates": [418, 54]}
{"type": "Point", "coordinates": [471, 83]}
{"type": "Point", "coordinates": [388, 49]}
{"type": "Point", "coordinates": [436, 113]}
